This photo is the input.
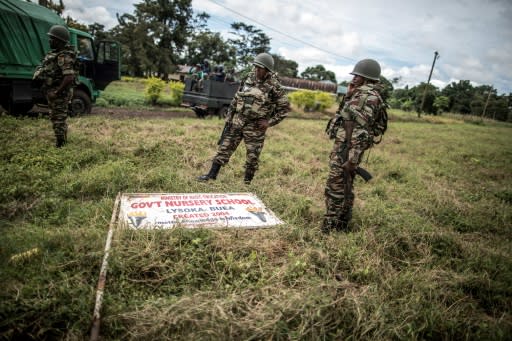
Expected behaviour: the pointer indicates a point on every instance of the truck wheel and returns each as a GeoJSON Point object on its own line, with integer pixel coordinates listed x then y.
{"type": "Point", "coordinates": [222, 112]}
{"type": "Point", "coordinates": [4, 105]}
{"type": "Point", "coordinates": [201, 113]}
{"type": "Point", "coordinates": [17, 109]}
{"type": "Point", "coordinates": [80, 103]}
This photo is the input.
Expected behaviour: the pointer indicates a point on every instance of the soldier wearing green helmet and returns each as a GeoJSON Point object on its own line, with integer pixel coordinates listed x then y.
{"type": "Point", "coordinates": [59, 32]}
{"type": "Point", "coordinates": [57, 75]}
{"type": "Point", "coordinates": [259, 103]}
{"type": "Point", "coordinates": [264, 60]}
{"type": "Point", "coordinates": [367, 68]}
{"type": "Point", "coordinates": [354, 131]}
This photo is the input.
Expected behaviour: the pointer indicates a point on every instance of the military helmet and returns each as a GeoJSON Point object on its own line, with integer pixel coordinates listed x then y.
{"type": "Point", "coordinates": [59, 32]}
{"type": "Point", "coordinates": [264, 60]}
{"type": "Point", "coordinates": [367, 68]}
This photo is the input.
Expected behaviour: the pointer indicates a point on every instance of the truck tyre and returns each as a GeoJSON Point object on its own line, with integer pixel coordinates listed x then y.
{"type": "Point", "coordinates": [222, 112]}
{"type": "Point", "coordinates": [80, 103]}
{"type": "Point", "coordinates": [200, 113]}
{"type": "Point", "coordinates": [18, 109]}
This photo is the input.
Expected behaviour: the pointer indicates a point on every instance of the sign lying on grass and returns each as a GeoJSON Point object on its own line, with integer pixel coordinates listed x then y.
{"type": "Point", "coordinates": [194, 210]}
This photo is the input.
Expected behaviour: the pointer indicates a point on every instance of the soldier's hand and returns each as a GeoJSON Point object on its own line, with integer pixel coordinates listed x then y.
{"type": "Point", "coordinates": [52, 95]}
{"type": "Point", "coordinates": [263, 124]}
{"type": "Point", "coordinates": [349, 167]}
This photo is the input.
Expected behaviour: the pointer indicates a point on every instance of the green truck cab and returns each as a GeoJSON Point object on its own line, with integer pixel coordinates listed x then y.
{"type": "Point", "coordinates": [24, 43]}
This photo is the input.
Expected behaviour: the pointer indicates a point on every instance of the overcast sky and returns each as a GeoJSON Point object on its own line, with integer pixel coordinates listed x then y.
{"type": "Point", "coordinates": [473, 37]}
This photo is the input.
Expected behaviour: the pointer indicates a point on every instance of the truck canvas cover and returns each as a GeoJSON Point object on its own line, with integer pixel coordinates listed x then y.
{"type": "Point", "coordinates": [22, 22]}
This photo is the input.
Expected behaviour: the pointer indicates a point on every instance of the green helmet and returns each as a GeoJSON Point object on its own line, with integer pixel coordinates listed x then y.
{"type": "Point", "coordinates": [367, 68]}
{"type": "Point", "coordinates": [264, 60]}
{"type": "Point", "coordinates": [59, 32]}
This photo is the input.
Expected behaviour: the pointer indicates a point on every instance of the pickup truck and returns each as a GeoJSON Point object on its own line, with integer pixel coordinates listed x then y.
{"type": "Point", "coordinates": [211, 98]}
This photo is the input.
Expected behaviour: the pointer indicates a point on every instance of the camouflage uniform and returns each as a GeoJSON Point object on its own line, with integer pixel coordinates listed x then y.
{"type": "Point", "coordinates": [56, 65]}
{"type": "Point", "coordinates": [254, 101]}
{"type": "Point", "coordinates": [359, 107]}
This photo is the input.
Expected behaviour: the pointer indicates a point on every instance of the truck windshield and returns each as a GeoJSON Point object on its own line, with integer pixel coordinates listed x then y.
{"type": "Point", "coordinates": [85, 50]}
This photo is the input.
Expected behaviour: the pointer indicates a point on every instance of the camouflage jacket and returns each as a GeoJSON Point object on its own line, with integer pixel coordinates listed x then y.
{"type": "Point", "coordinates": [360, 108]}
{"type": "Point", "coordinates": [56, 64]}
{"type": "Point", "coordinates": [257, 100]}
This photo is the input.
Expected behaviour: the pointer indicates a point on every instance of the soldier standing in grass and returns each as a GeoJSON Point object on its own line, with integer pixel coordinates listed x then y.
{"type": "Point", "coordinates": [358, 121]}
{"type": "Point", "coordinates": [58, 76]}
{"type": "Point", "coordinates": [260, 103]}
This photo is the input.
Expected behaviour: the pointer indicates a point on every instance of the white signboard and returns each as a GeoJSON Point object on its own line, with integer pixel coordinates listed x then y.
{"type": "Point", "coordinates": [194, 210]}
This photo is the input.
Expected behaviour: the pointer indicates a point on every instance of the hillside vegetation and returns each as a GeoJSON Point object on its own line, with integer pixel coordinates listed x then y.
{"type": "Point", "coordinates": [430, 255]}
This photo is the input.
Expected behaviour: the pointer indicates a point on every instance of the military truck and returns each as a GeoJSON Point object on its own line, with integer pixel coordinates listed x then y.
{"type": "Point", "coordinates": [211, 98]}
{"type": "Point", "coordinates": [23, 45]}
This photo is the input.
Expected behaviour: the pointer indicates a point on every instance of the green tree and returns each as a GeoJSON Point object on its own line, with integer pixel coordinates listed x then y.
{"type": "Point", "coordinates": [499, 109]}
{"type": "Point", "coordinates": [441, 104]}
{"type": "Point", "coordinates": [155, 35]}
{"type": "Point", "coordinates": [56, 7]}
{"type": "Point", "coordinates": [169, 22]}
{"type": "Point", "coordinates": [75, 24]}
{"type": "Point", "coordinates": [211, 46]}
{"type": "Point", "coordinates": [426, 94]}
{"type": "Point", "coordinates": [407, 105]}
{"type": "Point", "coordinates": [285, 67]}
{"type": "Point", "coordinates": [402, 94]}
{"type": "Point", "coordinates": [460, 95]}
{"type": "Point", "coordinates": [132, 35]}
{"type": "Point", "coordinates": [249, 42]}
{"type": "Point", "coordinates": [318, 73]}
{"type": "Point", "coordinates": [98, 32]}
{"type": "Point", "coordinates": [387, 88]}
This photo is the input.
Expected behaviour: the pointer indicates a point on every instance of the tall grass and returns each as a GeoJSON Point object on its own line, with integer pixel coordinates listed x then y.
{"type": "Point", "coordinates": [429, 256]}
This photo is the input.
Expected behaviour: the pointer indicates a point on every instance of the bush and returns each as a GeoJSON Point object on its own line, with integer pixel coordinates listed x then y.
{"type": "Point", "coordinates": [303, 99]}
{"type": "Point", "coordinates": [176, 91]}
{"type": "Point", "coordinates": [407, 105]}
{"type": "Point", "coordinates": [153, 89]}
{"type": "Point", "coordinates": [311, 100]}
{"type": "Point", "coordinates": [101, 102]}
{"type": "Point", "coordinates": [323, 100]}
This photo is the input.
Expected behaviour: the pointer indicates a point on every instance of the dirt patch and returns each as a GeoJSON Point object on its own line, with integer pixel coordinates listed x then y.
{"type": "Point", "coordinates": [123, 113]}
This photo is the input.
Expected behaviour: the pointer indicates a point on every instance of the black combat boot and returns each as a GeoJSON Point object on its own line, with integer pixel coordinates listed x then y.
{"type": "Point", "coordinates": [212, 174]}
{"type": "Point", "coordinates": [249, 175]}
{"type": "Point", "coordinates": [344, 219]}
{"type": "Point", "coordinates": [329, 224]}
{"type": "Point", "coordinates": [61, 141]}
{"type": "Point", "coordinates": [326, 225]}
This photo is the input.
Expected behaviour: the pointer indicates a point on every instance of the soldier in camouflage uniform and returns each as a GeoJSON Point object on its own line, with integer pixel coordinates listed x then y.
{"type": "Point", "coordinates": [355, 117]}
{"type": "Point", "coordinates": [58, 76]}
{"type": "Point", "coordinates": [259, 103]}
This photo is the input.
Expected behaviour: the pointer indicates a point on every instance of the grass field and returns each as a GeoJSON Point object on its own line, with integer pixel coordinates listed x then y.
{"type": "Point", "coordinates": [429, 257]}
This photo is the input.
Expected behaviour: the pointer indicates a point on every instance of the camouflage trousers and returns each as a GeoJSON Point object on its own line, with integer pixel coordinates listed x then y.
{"type": "Point", "coordinates": [59, 113]}
{"type": "Point", "coordinates": [253, 137]}
{"type": "Point", "coordinates": [338, 206]}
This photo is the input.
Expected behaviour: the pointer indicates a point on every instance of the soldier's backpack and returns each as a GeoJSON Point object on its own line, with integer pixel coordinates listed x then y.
{"type": "Point", "coordinates": [379, 124]}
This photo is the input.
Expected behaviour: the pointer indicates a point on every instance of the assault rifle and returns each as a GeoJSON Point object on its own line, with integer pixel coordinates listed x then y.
{"type": "Point", "coordinates": [225, 131]}
{"type": "Point", "coordinates": [349, 127]}
{"type": "Point", "coordinates": [363, 173]}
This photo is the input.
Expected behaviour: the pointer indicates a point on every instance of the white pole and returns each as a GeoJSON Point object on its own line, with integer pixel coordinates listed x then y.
{"type": "Point", "coordinates": [95, 329]}
{"type": "Point", "coordinates": [486, 103]}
